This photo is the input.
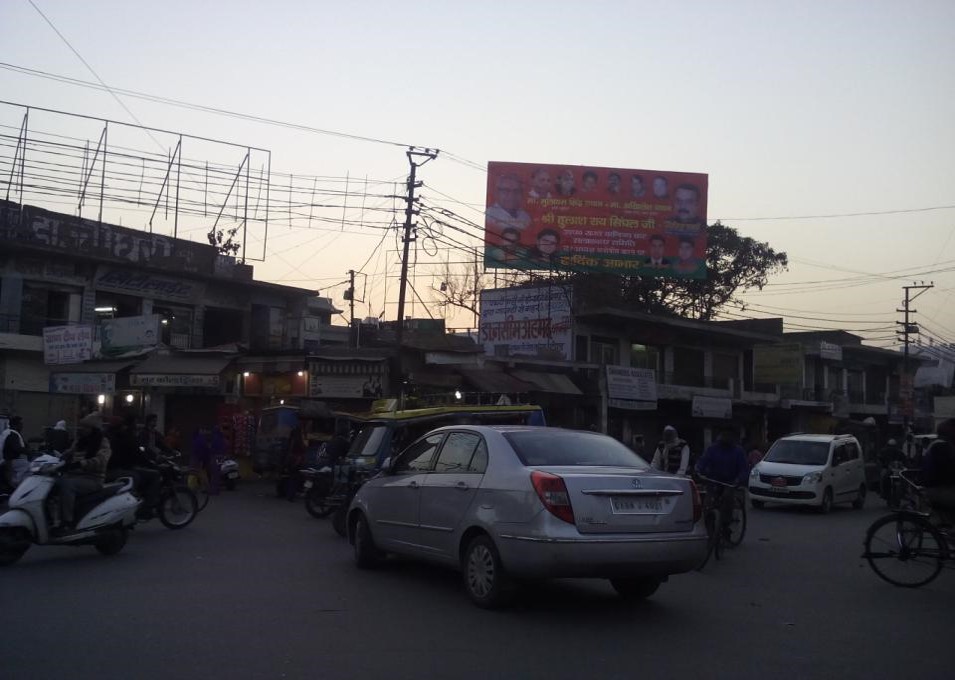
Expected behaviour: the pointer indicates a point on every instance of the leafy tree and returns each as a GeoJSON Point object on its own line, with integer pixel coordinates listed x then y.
{"type": "Point", "coordinates": [224, 240]}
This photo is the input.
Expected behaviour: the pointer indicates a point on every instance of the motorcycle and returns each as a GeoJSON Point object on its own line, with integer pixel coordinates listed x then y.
{"type": "Point", "coordinates": [330, 489]}
{"type": "Point", "coordinates": [105, 516]}
{"type": "Point", "coordinates": [177, 505]}
{"type": "Point", "coordinates": [340, 518]}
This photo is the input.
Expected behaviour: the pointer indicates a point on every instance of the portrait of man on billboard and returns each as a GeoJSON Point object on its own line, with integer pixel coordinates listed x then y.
{"type": "Point", "coordinates": [656, 260]}
{"type": "Point", "coordinates": [547, 247]}
{"type": "Point", "coordinates": [637, 189]}
{"type": "Point", "coordinates": [686, 204]}
{"type": "Point", "coordinates": [540, 183]}
{"type": "Point", "coordinates": [510, 248]}
{"type": "Point", "coordinates": [686, 263]}
{"type": "Point", "coordinates": [507, 211]}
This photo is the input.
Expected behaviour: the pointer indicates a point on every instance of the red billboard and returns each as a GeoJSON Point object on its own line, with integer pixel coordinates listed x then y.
{"type": "Point", "coordinates": [590, 219]}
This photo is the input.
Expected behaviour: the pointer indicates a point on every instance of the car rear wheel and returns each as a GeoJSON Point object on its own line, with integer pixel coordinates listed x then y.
{"type": "Point", "coordinates": [634, 589]}
{"type": "Point", "coordinates": [826, 506]}
{"type": "Point", "coordinates": [486, 583]}
{"type": "Point", "coordinates": [859, 502]}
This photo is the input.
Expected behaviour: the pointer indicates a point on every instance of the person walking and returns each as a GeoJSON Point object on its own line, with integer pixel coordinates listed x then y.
{"type": "Point", "coordinates": [672, 454]}
{"type": "Point", "coordinates": [207, 447]}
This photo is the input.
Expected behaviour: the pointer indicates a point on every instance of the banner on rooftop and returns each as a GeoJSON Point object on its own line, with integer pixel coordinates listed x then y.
{"type": "Point", "coordinates": [590, 219]}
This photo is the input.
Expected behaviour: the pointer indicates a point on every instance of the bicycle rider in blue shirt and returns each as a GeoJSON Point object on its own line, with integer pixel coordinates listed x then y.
{"type": "Point", "coordinates": [724, 461]}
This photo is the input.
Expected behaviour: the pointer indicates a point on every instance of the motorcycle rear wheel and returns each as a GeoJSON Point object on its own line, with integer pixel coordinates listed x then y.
{"type": "Point", "coordinates": [317, 500]}
{"type": "Point", "coordinates": [178, 508]}
{"type": "Point", "coordinates": [13, 544]}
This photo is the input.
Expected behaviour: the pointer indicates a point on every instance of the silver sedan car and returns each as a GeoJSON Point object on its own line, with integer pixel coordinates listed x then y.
{"type": "Point", "coordinates": [504, 503]}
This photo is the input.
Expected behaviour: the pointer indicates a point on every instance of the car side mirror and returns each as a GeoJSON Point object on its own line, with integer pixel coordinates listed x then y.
{"type": "Point", "coordinates": [388, 466]}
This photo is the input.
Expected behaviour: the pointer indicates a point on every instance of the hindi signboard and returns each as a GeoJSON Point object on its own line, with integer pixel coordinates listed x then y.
{"type": "Point", "coordinates": [712, 407]}
{"type": "Point", "coordinates": [173, 380]}
{"type": "Point", "coordinates": [527, 321]}
{"type": "Point", "coordinates": [83, 383]}
{"type": "Point", "coordinates": [778, 364]}
{"type": "Point", "coordinates": [67, 344]}
{"type": "Point", "coordinates": [591, 219]}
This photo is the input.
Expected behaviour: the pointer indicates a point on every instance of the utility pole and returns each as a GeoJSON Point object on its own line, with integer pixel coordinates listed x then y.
{"type": "Point", "coordinates": [908, 328]}
{"type": "Point", "coordinates": [416, 158]}
{"type": "Point", "coordinates": [350, 296]}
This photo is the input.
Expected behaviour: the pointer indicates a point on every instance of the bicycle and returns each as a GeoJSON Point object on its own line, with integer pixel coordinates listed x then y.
{"type": "Point", "coordinates": [198, 481]}
{"type": "Point", "coordinates": [909, 547]}
{"type": "Point", "coordinates": [731, 530]}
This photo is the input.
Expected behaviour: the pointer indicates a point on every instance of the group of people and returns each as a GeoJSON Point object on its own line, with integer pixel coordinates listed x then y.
{"type": "Point", "coordinates": [936, 466]}
{"type": "Point", "coordinates": [101, 449]}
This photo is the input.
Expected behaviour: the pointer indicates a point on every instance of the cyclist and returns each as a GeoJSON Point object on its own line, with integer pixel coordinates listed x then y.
{"type": "Point", "coordinates": [938, 471]}
{"type": "Point", "coordinates": [724, 461]}
{"type": "Point", "coordinates": [672, 454]}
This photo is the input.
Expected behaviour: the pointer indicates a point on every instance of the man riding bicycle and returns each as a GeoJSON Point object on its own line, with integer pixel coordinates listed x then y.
{"type": "Point", "coordinates": [724, 461]}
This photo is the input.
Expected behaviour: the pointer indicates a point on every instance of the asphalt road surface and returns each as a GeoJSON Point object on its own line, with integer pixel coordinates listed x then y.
{"type": "Point", "coordinates": [256, 588]}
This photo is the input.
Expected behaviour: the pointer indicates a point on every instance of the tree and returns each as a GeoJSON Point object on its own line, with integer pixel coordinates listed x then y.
{"type": "Point", "coordinates": [460, 289]}
{"type": "Point", "coordinates": [224, 240]}
{"type": "Point", "coordinates": [734, 264]}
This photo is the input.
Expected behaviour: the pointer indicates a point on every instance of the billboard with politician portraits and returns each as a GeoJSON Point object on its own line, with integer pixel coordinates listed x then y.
{"type": "Point", "coordinates": [591, 219]}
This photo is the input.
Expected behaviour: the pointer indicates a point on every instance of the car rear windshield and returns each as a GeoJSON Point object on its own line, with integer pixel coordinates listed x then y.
{"type": "Point", "coordinates": [797, 452]}
{"type": "Point", "coordinates": [560, 447]}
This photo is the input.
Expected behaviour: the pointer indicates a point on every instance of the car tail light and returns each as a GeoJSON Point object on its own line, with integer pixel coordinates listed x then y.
{"type": "Point", "coordinates": [553, 494]}
{"type": "Point", "coordinates": [697, 503]}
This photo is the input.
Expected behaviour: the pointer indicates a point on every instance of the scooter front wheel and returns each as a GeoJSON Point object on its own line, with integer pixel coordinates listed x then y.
{"type": "Point", "coordinates": [14, 542]}
{"type": "Point", "coordinates": [178, 508]}
{"type": "Point", "coordinates": [111, 542]}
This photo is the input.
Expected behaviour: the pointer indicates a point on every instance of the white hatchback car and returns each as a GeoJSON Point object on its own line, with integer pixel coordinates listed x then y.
{"type": "Point", "coordinates": [510, 503]}
{"type": "Point", "coordinates": [810, 469]}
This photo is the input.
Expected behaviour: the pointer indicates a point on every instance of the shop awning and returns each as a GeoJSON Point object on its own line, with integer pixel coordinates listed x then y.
{"type": "Point", "coordinates": [179, 364]}
{"type": "Point", "coordinates": [285, 364]}
{"type": "Point", "coordinates": [93, 367]}
{"type": "Point", "coordinates": [495, 381]}
{"type": "Point", "coordinates": [555, 383]}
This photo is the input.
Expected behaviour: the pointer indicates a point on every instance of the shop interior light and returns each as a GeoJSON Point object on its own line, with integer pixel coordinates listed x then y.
{"type": "Point", "coordinates": [281, 402]}
{"type": "Point", "coordinates": [301, 374]}
{"type": "Point", "coordinates": [165, 322]}
{"type": "Point", "coordinates": [457, 394]}
{"type": "Point", "coordinates": [101, 399]}
{"type": "Point", "coordinates": [104, 310]}
{"type": "Point", "coordinates": [130, 398]}
{"type": "Point", "coordinates": [245, 374]}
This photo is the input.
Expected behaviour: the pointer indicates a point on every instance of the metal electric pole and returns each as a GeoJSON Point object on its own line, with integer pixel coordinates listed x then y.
{"type": "Point", "coordinates": [350, 296]}
{"type": "Point", "coordinates": [416, 158]}
{"type": "Point", "coordinates": [906, 387]}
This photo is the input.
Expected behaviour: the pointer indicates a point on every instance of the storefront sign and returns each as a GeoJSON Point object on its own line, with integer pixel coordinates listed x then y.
{"type": "Point", "coordinates": [83, 383]}
{"type": "Point", "coordinates": [347, 379]}
{"type": "Point", "coordinates": [628, 405]}
{"type": "Point", "coordinates": [829, 350]}
{"type": "Point", "coordinates": [129, 333]}
{"type": "Point", "coordinates": [778, 364]}
{"type": "Point", "coordinates": [147, 285]}
{"type": "Point", "coordinates": [634, 384]}
{"type": "Point", "coordinates": [158, 380]}
{"type": "Point", "coordinates": [712, 407]}
{"type": "Point", "coordinates": [67, 344]}
{"type": "Point", "coordinates": [532, 322]}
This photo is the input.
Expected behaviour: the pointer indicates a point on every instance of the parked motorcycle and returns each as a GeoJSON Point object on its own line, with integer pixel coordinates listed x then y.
{"type": "Point", "coordinates": [340, 518]}
{"type": "Point", "coordinates": [105, 516]}
{"type": "Point", "coordinates": [229, 473]}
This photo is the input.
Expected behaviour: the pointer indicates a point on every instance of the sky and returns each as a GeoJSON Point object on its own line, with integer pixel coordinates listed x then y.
{"type": "Point", "coordinates": [797, 111]}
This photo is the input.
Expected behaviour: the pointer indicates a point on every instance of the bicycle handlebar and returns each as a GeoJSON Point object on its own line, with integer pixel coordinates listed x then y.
{"type": "Point", "coordinates": [716, 481]}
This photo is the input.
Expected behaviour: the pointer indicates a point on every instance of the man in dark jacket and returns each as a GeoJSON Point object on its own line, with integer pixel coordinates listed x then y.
{"type": "Point", "coordinates": [13, 447]}
{"type": "Point", "coordinates": [129, 459]}
{"type": "Point", "coordinates": [938, 471]}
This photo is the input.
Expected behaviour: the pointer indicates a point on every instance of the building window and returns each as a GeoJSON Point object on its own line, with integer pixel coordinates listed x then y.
{"type": "Point", "coordinates": [581, 343]}
{"type": "Point", "coordinates": [644, 356]}
{"type": "Point", "coordinates": [725, 370]}
{"type": "Point", "coordinates": [45, 306]}
{"type": "Point", "coordinates": [604, 350]}
{"type": "Point", "coordinates": [175, 325]}
{"type": "Point", "coordinates": [687, 367]}
{"type": "Point", "coordinates": [221, 326]}
{"type": "Point", "coordinates": [116, 306]}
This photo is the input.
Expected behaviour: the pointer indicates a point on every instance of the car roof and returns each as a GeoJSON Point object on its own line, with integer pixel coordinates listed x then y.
{"type": "Point", "coordinates": [816, 437]}
{"type": "Point", "coordinates": [512, 428]}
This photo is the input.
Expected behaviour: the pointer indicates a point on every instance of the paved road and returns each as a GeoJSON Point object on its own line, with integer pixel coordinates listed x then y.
{"type": "Point", "coordinates": [257, 589]}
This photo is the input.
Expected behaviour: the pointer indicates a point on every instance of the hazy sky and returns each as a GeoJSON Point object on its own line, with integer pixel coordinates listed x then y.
{"type": "Point", "coordinates": [793, 109]}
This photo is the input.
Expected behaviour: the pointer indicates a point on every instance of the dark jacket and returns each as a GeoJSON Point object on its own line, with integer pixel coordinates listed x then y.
{"type": "Point", "coordinates": [938, 464]}
{"type": "Point", "coordinates": [724, 463]}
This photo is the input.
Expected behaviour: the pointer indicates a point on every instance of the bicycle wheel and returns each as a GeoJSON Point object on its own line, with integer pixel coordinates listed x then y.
{"type": "Point", "coordinates": [719, 536]}
{"type": "Point", "coordinates": [737, 523]}
{"type": "Point", "coordinates": [711, 533]}
{"type": "Point", "coordinates": [199, 486]}
{"type": "Point", "coordinates": [905, 550]}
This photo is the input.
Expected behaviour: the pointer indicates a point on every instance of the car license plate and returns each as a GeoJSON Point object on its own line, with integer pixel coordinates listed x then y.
{"type": "Point", "coordinates": [635, 505]}
{"type": "Point", "coordinates": [232, 475]}
{"type": "Point", "coordinates": [308, 483]}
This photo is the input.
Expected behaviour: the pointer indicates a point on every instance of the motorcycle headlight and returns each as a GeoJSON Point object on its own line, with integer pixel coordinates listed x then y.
{"type": "Point", "coordinates": [812, 478]}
